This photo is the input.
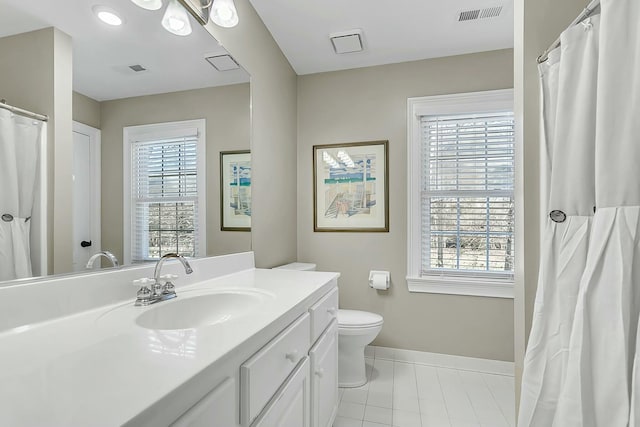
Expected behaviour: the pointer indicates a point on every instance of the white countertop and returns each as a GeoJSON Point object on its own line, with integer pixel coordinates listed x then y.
{"type": "Point", "coordinates": [99, 368]}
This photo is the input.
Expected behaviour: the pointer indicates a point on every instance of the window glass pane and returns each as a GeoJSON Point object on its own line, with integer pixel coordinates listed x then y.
{"type": "Point", "coordinates": [186, 245]}
{"type": "Point", "coordinates": [444, 251]}
{"type": "Point", "coordinates": [168, 216]}
{"type": "Point", "coordinates": [473, 252]}
{"type": "Point", "coordinates": [154, 244]}
{"type": "Point", "coordinates": [185, 214]}
{"type": "Point", "coordinates": [501, 253]}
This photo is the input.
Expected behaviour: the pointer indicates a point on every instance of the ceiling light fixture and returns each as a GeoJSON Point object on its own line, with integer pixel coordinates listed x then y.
{"type": "Point", "coordinates": [148, 4]}
{"type": "Point", "coordinates": [176, 19]}
{"type": "Point", "coordinates": [107, 15]}
{"type": "Point", "coordinates": [224, 13]}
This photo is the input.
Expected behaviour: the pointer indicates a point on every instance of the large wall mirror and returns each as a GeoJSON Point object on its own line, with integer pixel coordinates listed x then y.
{"type": "Point", "coordinates": [129, 161]}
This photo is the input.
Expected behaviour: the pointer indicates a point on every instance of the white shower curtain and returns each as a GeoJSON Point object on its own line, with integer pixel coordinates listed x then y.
{"type": "Point", "coordinates": [19, 163]}
{"type": "Point", "coordinates": [580, 362]}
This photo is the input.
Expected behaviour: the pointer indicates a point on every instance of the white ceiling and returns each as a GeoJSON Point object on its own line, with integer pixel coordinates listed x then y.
{"type": "Point", "coordinates": [102, 54]}
{"type": "Point", "coordinates": [394, 30]}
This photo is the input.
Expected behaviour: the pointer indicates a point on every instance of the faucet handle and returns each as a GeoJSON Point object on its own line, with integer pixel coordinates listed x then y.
{"type": "Point", "coordinates": [168, 287]}
{"type": "Point", "coordinates": [144, 282]}
{"type": "Point", "coordinates": [144, 293]}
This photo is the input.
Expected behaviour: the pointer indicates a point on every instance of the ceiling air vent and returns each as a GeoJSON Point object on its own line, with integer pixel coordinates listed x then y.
{"type": "Point", "coordinates": [137, 68]}
{"type": "Point", "coordinates": [347, 41]}
{"type": "Point", "coordinates": [491, 12]}
{"type": "Point", "coordinates": [223, 62]}
{"type": "Point", "coordinates": [469, 15]}
{"type": "Point", "coordinates": [475, 14]}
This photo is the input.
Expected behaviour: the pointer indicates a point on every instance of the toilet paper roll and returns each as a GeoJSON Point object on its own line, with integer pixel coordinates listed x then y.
{"type": "Point", "coordinates": [379, 280]}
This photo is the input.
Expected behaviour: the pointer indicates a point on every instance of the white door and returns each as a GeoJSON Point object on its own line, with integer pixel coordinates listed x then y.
{"type": "Point", "coordinates": [324, 378]}
{"type": "Point", "coordinates": [290, 407]}
{"type": "Point", "coordinates": [86, 194]}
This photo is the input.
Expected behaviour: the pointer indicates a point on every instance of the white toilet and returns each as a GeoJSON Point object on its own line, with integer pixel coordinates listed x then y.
{"type": "Point", "coordinates": [356, 330]}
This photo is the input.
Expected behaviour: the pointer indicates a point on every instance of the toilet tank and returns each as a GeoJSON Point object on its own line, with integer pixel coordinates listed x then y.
{"type": "Point", "coordinates": [300, 266]}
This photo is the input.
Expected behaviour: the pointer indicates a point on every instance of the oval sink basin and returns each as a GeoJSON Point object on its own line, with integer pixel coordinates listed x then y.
{"type": "Point", "coordinates": [197, 311]}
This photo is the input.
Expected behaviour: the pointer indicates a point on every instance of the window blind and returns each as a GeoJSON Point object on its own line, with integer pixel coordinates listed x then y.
{"type": "Point", "coordinates": [164, 192]}
{"type": "Point", "coordinates": [467, 197]}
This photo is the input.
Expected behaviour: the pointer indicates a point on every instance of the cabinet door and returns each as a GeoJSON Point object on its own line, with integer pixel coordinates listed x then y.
{"type": "Point", "coordinates": [216, 409]}
{"type": "Point", "coordinates": [290, 406]}
{"type": "Point", "coordinates": [324, 378]}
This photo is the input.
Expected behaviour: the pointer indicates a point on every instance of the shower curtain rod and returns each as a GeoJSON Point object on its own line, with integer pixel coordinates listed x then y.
{"type": "Point", "coordinates": [3, 104]}
{"type": "Point", "coordinates": [584, 15]}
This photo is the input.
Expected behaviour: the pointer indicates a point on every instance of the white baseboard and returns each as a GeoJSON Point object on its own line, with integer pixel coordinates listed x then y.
{"type": "Point", "coordinates": [488, 366]}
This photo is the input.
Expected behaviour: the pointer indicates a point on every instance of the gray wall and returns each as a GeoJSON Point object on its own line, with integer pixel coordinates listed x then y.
{"type": "Point", "coordinates": [370, 104]}
{"type": "Point", "coordinates": [37, 76]}
{"type": "Point", "coordinates": [273, 135]}
{"type": "Point", "coordinates": [86, 110]}
{"type": "Point", "coordinates": [227, 113]}
{"type": "Point", "coordinates": [537, 24]}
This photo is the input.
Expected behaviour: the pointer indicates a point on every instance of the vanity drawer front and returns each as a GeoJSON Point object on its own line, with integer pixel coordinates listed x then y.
{"type": "Point", "coordinates": [322, 313]}
{"type": "Point", "coordinates": [265, 371]}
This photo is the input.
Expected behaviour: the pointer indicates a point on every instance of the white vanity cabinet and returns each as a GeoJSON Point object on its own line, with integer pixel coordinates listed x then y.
{"type": "Point", "coordinates": [293, 380]}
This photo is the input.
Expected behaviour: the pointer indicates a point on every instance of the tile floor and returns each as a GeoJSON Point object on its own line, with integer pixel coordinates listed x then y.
{"type": "Point", "coordinates": [402, 394]}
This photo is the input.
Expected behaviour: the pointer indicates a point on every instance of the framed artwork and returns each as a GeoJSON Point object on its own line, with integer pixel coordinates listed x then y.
{"type": "Point", "coordinates": [351, 187]}
{"type": "Point", "coordinates": [235, 190]}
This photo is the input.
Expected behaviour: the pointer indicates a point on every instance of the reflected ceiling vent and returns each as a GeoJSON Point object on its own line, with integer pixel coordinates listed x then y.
{"type": "Point", "coordinates": [223, 62]}
{"type": "Point", "coordinates": [347, 41]}
{"type": "Point", "coordinates": [475, 14]}
{"type": "Point", "coordinates": [137, 68]}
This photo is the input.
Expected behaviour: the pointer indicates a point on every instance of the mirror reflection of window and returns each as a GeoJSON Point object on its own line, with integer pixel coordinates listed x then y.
{"type": "Point", "coordinates": [166, 190]}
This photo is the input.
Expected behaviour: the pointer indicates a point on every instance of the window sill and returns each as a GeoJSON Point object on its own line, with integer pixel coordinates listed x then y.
{"type": "Point", "coordinates": [473, 286]}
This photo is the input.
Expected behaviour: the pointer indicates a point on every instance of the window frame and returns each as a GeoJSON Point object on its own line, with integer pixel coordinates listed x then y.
{"type": "Point", "coordinates": [487, 284]}
{"type": "Point", "coordinates": [148, 132]}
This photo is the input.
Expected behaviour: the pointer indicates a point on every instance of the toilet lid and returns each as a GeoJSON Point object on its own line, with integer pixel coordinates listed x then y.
{"type": "Point", "coordinates": [358, 319]}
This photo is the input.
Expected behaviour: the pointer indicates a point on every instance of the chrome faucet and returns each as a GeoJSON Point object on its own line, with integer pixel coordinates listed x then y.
{"type": "Point", "coordinates": [183, 260]}
{"type": "Point", "coordinates": [158, 291]}
{"type": "Point", "coordinates": [108, 255]}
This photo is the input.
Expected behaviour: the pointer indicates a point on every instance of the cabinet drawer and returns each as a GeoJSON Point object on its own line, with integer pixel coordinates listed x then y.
{"type": "Point", "coordinates": [322, 313]}
{"type": "Point", "coordinates": [265, 371]}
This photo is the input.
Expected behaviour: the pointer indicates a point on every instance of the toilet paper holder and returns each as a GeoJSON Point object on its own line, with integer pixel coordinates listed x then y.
{"type": "Point", "coordinates": [379, 279]}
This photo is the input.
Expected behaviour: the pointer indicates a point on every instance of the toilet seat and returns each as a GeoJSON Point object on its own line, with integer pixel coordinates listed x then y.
{"type": "Point", "coordinates": [356, 319]}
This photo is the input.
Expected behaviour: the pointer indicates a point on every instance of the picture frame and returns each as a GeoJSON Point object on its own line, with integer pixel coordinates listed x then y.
{"type": "Point", "coordinates": [235, 190]}
{"type": "Point", "coordinates": [351, 187]}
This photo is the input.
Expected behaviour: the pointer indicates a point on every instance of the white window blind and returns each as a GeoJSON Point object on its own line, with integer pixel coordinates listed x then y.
{"type": "Point", "coordinates": [164, 197]}
{"type": "Point", "coordinates": [467, 193]}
